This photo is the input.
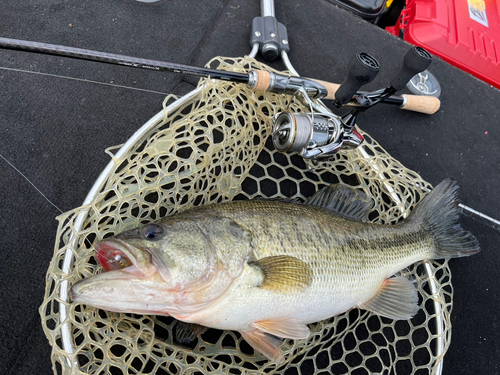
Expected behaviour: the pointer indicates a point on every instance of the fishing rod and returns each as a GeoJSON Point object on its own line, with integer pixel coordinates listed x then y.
{"type": "Point", "coordinates": [257, 80]}
{"type": "Point", "coordinates": [314, 135]}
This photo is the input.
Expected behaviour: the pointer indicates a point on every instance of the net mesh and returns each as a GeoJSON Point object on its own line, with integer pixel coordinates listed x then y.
{"type": "Point", "coordinates": [213, 148]}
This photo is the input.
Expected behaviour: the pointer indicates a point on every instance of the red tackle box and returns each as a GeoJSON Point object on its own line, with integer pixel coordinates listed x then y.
{"type": "Point", "coordinates": [465, 33]}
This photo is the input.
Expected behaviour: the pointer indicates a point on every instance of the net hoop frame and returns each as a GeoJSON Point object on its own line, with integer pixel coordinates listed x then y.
{"type": "Point", "coordinates": [66, 333]}
{"type": "Point", "coordinates": [67, 340]}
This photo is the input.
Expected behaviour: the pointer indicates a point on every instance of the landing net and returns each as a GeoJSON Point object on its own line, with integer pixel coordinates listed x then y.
{"type": "Point", "coordinates": [214, 146]}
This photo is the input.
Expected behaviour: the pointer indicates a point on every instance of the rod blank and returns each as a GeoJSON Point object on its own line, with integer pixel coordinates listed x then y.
{"type": "Point", "coordinates": [110, 58]}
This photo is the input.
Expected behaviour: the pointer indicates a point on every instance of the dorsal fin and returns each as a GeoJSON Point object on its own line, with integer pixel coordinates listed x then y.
{"type": "Point", "coordinates": [343, 200]}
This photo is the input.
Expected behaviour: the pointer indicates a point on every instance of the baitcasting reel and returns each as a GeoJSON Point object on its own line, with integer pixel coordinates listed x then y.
{"type": "Point", "coordinates": [320, 133]}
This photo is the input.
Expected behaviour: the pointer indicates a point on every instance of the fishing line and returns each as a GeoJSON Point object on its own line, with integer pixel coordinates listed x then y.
{"type": "Point", "coordinates": [31, 183]}
{"type": "Point", "coordinates": [84, 80]}
{"type": "Point", "coordinates": [39, 191]}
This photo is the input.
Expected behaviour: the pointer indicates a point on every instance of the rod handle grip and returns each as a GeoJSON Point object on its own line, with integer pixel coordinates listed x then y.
{"type": "Point", "coordinates": [419, 103]}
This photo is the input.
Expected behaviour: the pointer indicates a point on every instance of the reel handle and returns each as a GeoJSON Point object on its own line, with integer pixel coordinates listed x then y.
{"type": "Point", "coordinates": [423, 104]}
{"type": "Point", "coordinates": [362, 69]}
{"type": "Point", "coordinates": [416, 103]}
{"type": "Point", "coordinates": [415, 61]}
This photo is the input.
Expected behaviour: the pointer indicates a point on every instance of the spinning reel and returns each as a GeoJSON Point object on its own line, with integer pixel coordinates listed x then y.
{"type": "Point", "coordinates": [320, 133]}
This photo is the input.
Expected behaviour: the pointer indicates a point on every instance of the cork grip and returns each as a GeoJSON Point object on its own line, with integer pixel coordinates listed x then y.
{"type": "Point", "coordinates": [263, 80]}
{"type": "Point", "coordinates": [423, 104]}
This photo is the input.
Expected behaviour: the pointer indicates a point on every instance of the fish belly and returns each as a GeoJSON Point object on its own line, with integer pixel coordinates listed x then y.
{"type": "Point", "coordinates": [242, 306]}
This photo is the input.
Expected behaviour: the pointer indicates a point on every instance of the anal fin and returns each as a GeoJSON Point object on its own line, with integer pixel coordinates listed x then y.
{"type": "Point", "coordinates": [396, 299]}
{"type": "Point", "coordinates": [285, 328]}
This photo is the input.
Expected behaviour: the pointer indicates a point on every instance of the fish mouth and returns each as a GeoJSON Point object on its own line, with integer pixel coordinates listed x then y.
{"type": "Point", "coordinates": [131, 281]}
{"type": "Point", "coordinates": [116, 254]}
{"type": "Point", "coordinates": [139, 281]}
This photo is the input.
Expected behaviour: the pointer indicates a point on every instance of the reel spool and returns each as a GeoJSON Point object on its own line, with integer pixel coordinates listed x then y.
{"type": "Point", "coordinates": [312, 135]}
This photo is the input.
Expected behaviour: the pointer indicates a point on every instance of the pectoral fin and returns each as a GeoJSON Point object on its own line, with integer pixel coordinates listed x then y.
{"type": "Point", "coordinates": [283, 273]}
{"type": "Point", "coordinates": [396, 299]}
{"type": "Point", "coordinates": [285, 328]}
{"type": "Point", "coordinates": [186, 333]}
{"type": "Point", "coordinates": [264, 343]}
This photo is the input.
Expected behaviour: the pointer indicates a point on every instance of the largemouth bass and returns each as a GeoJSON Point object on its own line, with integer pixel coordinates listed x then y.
{"type": "Point", "coordinates": [268, 268]}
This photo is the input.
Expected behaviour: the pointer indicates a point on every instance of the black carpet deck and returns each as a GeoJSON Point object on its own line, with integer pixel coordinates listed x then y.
{"type": "Point", "coordinates": [54, 130]}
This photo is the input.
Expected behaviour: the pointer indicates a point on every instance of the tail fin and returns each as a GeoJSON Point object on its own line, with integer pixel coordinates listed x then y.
{"type": "Point", "coordinates": [438, 213]}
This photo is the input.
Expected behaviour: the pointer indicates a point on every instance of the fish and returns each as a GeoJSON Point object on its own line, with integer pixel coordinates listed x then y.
{"type": "Point", "coordinates": [268, 268]}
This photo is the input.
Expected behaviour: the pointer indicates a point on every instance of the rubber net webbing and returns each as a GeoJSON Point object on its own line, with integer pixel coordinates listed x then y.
{"type": "Point", "coordinates": [214, 148]}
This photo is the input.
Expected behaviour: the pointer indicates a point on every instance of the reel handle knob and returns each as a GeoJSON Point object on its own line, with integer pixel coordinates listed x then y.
{"type": "Point", "coordinates": [362, 69]}
{"type": "Point", "coordinates": [416, 60]}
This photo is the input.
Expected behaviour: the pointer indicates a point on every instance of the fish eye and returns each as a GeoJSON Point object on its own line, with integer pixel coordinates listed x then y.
{"type": "Point", "coordinates": [152, 232]}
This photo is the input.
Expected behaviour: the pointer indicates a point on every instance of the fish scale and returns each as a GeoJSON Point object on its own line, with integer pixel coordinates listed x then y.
{"type": "Point", "coordinates": [317, 236]}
